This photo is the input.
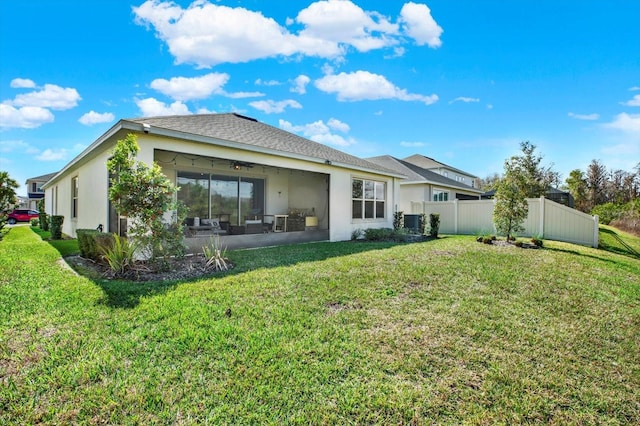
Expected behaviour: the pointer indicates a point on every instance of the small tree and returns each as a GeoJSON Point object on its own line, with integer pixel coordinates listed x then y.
{"type": "Point", "coordinates": [144, 194]}
{"type": "Point", "coordinates": [8, 188]}
{"type": "Point", "coordinates": [511, 207]}
{"type": "Point", "coordinates": [43, 220]}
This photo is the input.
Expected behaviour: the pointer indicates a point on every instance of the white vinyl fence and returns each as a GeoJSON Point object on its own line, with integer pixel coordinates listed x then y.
{"type": "Point", "coordinates": [547, 218]}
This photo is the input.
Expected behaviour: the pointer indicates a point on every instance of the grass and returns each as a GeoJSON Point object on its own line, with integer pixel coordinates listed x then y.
{"type": "Point", "coordinates": [443, 332]}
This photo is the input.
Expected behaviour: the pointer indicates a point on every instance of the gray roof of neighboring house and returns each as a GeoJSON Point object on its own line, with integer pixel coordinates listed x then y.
{"type": "Point", "coordinates": [418, 174]}
{"type": "Point", "coordinates": [441, 164]}
{"type": "Point", "coordinates": [43, 178]}
{"type": "Point", "coordinates": [248, 131]}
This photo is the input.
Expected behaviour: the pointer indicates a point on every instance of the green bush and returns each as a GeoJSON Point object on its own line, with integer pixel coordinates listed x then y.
{"type": "Point", "coordinates": [56, 227]}
{"type": "Point", "coordinates": [608, 212]}
{"type": "Point", "coordinates": [87, 243]}
{"type": "Point", "coordinates": [398, 220]}
{"type": "Point", "coordinates": [385, 234]}
{"type": "Point", "coordinates": [434, 225]}
{"type": "Point", "coordinates": [42, 216]}
{"type": "Point", "coordinates": [35, 222]}
{"type": "Point", "coordinates": [104, 242]}
{"type": "Point", "coordinates": [120, 256]}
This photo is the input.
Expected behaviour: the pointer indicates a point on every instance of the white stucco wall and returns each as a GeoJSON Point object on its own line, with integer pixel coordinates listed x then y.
{"type": "Point", "coordinates": [92, 195]}
{"type": "Point", "coordinates": [287, 184]}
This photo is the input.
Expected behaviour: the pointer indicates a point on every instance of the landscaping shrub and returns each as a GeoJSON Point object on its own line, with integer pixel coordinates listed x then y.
{"type": "Point", "coordinates": [434, 225]}
{"type": "Point", "coordinates": [104, 241]}
{"type": "Point", "coordinates": [56, 227]}
{"type": "Point", "coordinates": [398, 220]}
{"type": "Point", "coordinates": [42, 216]}
{"type": "Point", "coordinates": [120, 256]}
{"type": "Point", "coordinates": [422, 224]}
{"type": "Point", "coordinates": [87, 243]}
{"type": "Point", "coordinates": [385, 234]}
{"type": "Point", "coordinates": [35, 222]}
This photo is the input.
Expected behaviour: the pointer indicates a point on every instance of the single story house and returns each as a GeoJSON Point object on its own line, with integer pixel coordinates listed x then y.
{"type": "Point", "coordinates": [238, 177]}
{"type": "Point", "coordinates": [424, 185]}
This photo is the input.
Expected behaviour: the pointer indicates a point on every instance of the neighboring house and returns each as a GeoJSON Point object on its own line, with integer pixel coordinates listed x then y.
{"type": "Point", "coordinates": [424, 185]}
{"type": "Point", "coordinates": [35, 191]}
{"type": "Point", "coordinates": [553, 194]}
{"type": "Point", "coordinates": [443, 170]}
{"type": "Point", "coordinates": [237, 172]}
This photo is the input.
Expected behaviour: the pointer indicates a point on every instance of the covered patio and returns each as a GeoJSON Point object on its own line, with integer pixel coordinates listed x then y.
{"type": "Point", "coordinates": [247, 204]}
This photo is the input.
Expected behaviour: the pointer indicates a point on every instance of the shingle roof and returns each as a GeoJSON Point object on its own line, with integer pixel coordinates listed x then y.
{"type": "Point", "coordinates": [43, 178]}
{"type": "Point", "coordinates": [418, 174]}
{"type": "Point", "coordinates": [244, 130]}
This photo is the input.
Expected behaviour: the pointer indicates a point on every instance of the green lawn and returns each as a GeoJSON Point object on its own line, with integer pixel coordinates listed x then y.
{"type": "Point", "coordinates": [448, 331]}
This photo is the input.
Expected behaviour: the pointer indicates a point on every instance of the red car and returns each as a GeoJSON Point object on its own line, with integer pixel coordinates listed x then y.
{"type": "Point", "coordinates": [21, 216]}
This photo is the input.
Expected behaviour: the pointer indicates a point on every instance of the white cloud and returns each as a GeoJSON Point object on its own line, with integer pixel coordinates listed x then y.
{"type": "Point", "coordinates": [589, 117]}
{"type": "Point", "coordinates": [52, 155]}
{"type": "Point", "coordinates": [260, 82]}
{"type": "Point", "coordinates": [418, 24]}
{"type": "Point", "coordinates": [208, 34]}
{"type": "Point", "coordinates": [338, 125]}
{"type": "Point", "coordinates": [300, 84]}
{"type": "Point", "coordinates": [464, 99]}
{"type": "Point", "coordinates": [413, 144]}
{"type": "Point", "coordinates": [628, 123]}
{"type": "Point", "coordinates": [331, 24]}
{"type": "Point", "coordinates": [52, 96]}
{"type": "Point", "coordinates": [186, 89]}
{"type": "Point", "coordinates": [22, 83]}
{"type": "Point", "coordinates": [634, 88]}
{"type": "Point", "coordinates": [363, 85]}
{"type": "Point", "coordinates": [277, 107]}
{"type": "Point", "coordinates": [93, 117]}
{"type": "Point", "coordinates": [241, 95]}
{"type": "Point", "coordinates": [320, 132]}
{"type": "Point", "coordinates": [151, 107]}
{"type": "Point", "coordinates": [27, 117]}
{"type": "Point", "coordinates": [635, 101]}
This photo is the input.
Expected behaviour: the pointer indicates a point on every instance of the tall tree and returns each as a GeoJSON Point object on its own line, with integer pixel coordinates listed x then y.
{"type": "Point", "coordinates": [576, 183]}
{"type": "Point", "coordinates": [596, 181]}
{"type": "Point", "coordinates": [536, 179]}
{"type": "Point", "coordinates": [8, 188]}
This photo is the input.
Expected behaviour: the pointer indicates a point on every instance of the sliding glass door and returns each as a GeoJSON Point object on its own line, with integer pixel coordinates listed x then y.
{"type": "Point", "coordinates": [209, 196]}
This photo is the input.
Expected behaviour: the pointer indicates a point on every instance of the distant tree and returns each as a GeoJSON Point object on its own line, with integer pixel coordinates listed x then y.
{"type": "Point", "coordinates": [535, 178]}
{"type": "Point", "coordinates": [8, 188]}
{"type": "Point", "coordinates": [576, 183]}
{"type": "Point", "coordinates": [511, 207]}
{"type": "Point", "coordinates": [596, 181]}
{"type": "Point", "coordinates": [489, 183]}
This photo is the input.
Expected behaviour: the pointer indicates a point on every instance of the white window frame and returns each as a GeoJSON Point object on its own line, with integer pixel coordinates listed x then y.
{"type": "Point", "coordinates": [379, 199]}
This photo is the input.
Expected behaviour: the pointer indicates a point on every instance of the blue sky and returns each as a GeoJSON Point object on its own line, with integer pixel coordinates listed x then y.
{"type": "Point", "coordinates": [463, 82]}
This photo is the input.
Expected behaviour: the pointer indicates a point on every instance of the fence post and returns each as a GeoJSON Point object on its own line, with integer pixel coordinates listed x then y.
{"type": "Point", "coordinates": [455, 216]}
{"type": "Point", "coordinates": [596, 231]}
{"type": "Point", "coordinates": [541, 226]}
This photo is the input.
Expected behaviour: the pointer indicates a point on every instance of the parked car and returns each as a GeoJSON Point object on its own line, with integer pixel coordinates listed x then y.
{"type": "Point", "coordinates": [20, 215]}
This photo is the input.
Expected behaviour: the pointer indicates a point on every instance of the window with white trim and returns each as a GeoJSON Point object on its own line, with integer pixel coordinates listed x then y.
{"type": "Point", "coordinates": [440, 195]}
{"type": "Point", "coordinates": [74, 197]}
{"type": "Point", "coordinates": [368, 199]}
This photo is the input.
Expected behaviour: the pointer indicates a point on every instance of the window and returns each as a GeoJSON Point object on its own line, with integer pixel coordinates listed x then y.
{"type": "Point", "coordinates": [74, 197]}
{"type": "Point", "coordinates": [368, 199]}
{"type": "Point", "coordinates": [439, 195]}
